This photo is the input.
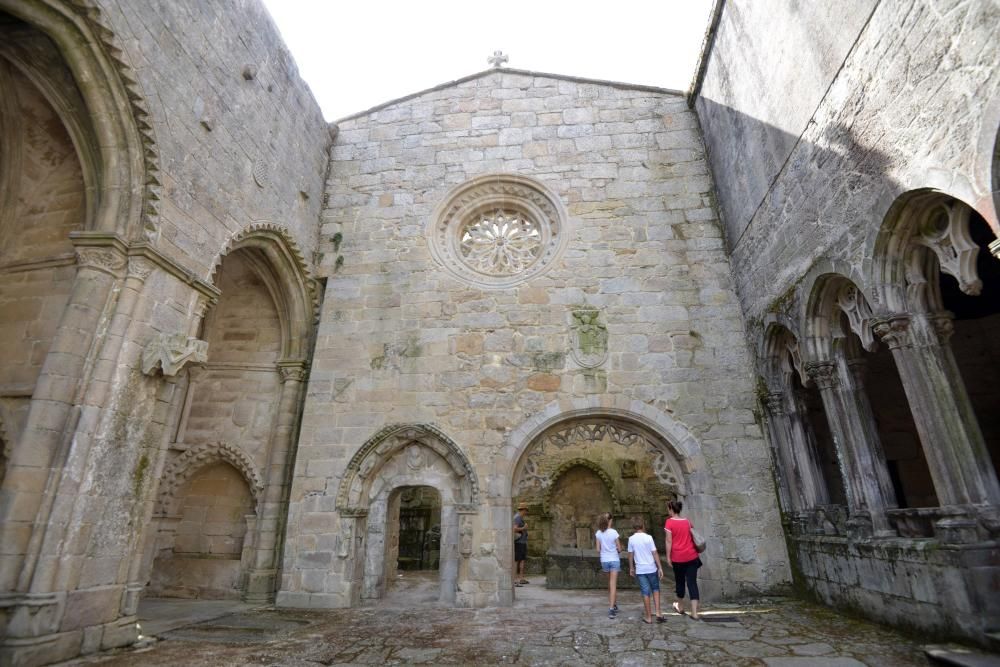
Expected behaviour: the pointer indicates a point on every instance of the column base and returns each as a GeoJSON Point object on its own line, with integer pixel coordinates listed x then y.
{"type": "Point", "coordinates": [260, 586]}
{"type": "Point", "coordinates": [859, 527]}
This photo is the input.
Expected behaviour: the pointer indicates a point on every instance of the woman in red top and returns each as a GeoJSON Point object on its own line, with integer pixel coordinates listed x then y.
{"type": "Point", "coordinates": [683, 556]}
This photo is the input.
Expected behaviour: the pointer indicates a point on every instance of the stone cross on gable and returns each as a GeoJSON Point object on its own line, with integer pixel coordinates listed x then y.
{"type": "Point", "coordinates": [497, 59]}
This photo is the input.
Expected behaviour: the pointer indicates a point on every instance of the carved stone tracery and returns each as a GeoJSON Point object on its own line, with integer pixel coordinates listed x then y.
{"type": "Point", "coordinates": [859, 314]}
{"type": "Point", "coordinates": [497, 230]}
{"type": "Point", "coordinates": [536, 475]}
{"type": "Point", "coordinates": [945, 231]}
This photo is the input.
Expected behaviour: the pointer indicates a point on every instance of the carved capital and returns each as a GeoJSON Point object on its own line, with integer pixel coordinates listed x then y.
{"type": "Point", "coordinates": [140, 268]}
{"type": "Point", "coordinates": [943, 323]}
{"type": "Point", "coordinates": [107, 260]}
{"type": "Point", "coordinates": [823, 373]}
{"type": "Point", "coordinates": [894, 331]}
{"type": "Point", "coordinates": [293, 371]}
{"type": "Point", "coordinates": [171, 352]}
{"type": "Point", "coordinates": [775, 403]}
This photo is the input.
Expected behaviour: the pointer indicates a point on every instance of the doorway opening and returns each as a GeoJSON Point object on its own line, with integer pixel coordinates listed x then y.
{"type": "Point", "coordinates": [413, 545]}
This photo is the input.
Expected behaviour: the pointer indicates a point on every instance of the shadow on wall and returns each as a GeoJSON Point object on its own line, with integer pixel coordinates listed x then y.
{"type": "Point", "coordinates": [837, 179]}
{"type": "Point", "coordinates": [744, 194]}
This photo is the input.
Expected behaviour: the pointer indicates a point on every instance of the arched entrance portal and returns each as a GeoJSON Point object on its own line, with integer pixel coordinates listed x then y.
{"type": "Point", "coordinates": [578, 468]}
{"type": "Point", "coordinates": [382, 484]}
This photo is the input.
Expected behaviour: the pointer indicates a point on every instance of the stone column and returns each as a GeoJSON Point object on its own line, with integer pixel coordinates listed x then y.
{"type": "Point", "coordinates": [448, 558]}
{"type": "Point", "coordinates": [109, 369]}
{"type": "Point", "coordinates": [38, 458]}
{"type": "Point", "coordinates": [262, 580]}
{"type": "Point", "coordinates": [859, 451]}
{"type": "Point", "coordinates": [797, 453]}
{"type": "Point", "coordinates": [55, 410]}
{"type": "Point", "coordinates": [949, 432]}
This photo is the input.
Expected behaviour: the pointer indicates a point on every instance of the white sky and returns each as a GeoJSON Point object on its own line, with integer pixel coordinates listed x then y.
{"type": "Point", "coordinates": [359, 54]}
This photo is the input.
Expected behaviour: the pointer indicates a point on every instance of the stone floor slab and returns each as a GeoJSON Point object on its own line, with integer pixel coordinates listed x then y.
{"type": "Point", "coordinates": [568, 628]}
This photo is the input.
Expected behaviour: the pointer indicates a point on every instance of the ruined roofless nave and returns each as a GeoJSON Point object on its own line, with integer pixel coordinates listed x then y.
{"type": "Point", "coordinates": [248, 354]}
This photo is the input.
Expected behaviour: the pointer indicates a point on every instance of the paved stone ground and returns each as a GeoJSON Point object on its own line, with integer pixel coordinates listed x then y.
{"type": "Point", "coordinates": [543, 628]}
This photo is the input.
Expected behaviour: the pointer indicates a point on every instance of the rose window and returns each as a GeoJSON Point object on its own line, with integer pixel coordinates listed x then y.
{"type": "Point", "coordinates": [501, 243]}
{"type": "Point", "coordinates": [497, 231]}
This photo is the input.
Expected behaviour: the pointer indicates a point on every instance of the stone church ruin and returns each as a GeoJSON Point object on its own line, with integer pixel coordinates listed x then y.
{"type": "Point", "coordinates": [252, 355]}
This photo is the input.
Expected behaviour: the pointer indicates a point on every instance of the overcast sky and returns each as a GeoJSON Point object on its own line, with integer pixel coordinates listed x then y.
{"type": "Point", "coordinates": [359, 54]}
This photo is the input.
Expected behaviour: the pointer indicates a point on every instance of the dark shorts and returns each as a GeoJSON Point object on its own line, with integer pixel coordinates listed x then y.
{"type": "Point", "coordinates": [520, 551]}
{"type": "Point", "coordinates": [649, 583]}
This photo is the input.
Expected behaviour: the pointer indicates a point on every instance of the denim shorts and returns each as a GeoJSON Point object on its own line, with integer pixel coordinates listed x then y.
{"type": "Point", "coordinates": [611, 565]}
{"type": "Point", "coordinates": [649, 583]}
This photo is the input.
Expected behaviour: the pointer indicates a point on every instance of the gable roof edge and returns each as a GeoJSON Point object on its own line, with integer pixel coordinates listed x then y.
{"type": "Point", "coordinates": [508, 70]}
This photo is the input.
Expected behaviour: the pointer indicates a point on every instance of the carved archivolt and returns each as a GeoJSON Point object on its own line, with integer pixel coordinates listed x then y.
{"type": "Point", "coordinates": [381, 447]}
{"type": "Point", "coordinates": [182, 468]}
{"type": "Point", "coordinates": [266, 229]}
{"type": "Point", "coordinates": [534, 474]}
{"type": "Point", "coordinates": [91, 13]}
{"type": "Point", "coordinates": [589, 465]}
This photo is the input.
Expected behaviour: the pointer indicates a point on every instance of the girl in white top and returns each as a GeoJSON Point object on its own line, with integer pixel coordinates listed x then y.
{"type": "Point", "coordinates": [608, 546]}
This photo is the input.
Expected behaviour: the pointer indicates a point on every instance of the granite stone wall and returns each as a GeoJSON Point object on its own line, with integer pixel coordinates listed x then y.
{"type": "Point", "coordinates": [903, 98]}
{"type": "Point", "coordinates": [403, 341]}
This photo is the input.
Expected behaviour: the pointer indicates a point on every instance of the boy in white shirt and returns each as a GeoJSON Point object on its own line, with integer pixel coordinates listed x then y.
{"type": "Point", "coordinates": [644, 565]}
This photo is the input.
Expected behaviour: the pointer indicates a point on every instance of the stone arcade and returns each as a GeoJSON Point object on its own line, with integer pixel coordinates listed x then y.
{"type": "Point", "coordinates": [248, 354]}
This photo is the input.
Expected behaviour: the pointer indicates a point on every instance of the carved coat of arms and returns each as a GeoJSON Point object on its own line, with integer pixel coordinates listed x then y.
{"type": "Point", "coordinates": [590, 338]}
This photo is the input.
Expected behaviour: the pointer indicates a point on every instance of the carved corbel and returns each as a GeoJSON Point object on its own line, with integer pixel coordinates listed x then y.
{"type": "Point", "coordinates": [945, 231]}
{"type": "Point", "coordinates": [171, 351]}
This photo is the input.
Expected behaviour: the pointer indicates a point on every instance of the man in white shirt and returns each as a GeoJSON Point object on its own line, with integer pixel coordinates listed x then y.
{"type": "Point", "coordinates": [644, 565]}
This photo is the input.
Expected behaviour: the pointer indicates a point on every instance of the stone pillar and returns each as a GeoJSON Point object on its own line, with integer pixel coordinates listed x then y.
{"type": "Point", "coordinates": [262, 580]}
{"type": "Point", "coordinates": [949, 432]}
{"type": "Point", "coordinates": [170, 404]}
{"type": "Point", "coordinates": [859, 451]}
{"type": "Point", "coordinates": [797, 453]}
{"type": "Point", "coordinates": [38, 458]}
{"type": "Point", "coordinates": [448, 560]}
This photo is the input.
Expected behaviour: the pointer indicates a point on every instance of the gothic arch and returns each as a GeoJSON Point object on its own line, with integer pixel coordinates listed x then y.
{"type": "Point", "coordinates": [278, 260]}
{"type": "Point", "coordinates": [364, 466]}
{"type": "Point", "coordinates": [924, 232]}
{"type": "Point", "coordinates": [566, 466]}
{"type": "Point", "coordinates": [181, 469]}
{"type": "Point", "coordinates": [832, 294]}
{"type": "Point", "coordinates": [780, 355]}
{"type": "Point", "coordinates": [124, 164]}
{"type": "Point", "coordinates": [675, 439]}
